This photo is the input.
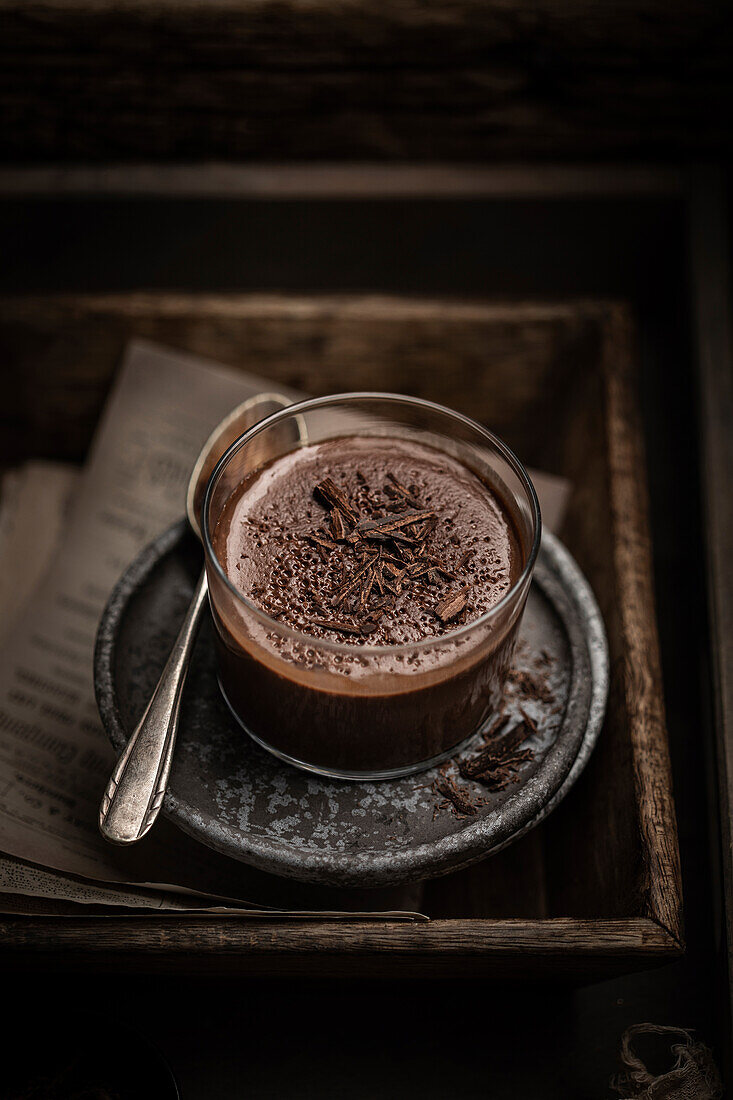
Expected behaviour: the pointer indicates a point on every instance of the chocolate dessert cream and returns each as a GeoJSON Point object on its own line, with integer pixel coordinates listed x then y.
{"type": "Point", "coordinates": [362, 563]}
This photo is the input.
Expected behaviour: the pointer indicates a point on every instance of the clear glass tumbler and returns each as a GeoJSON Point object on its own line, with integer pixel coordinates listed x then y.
{"type": "Point", "coordinates": [366, 712]}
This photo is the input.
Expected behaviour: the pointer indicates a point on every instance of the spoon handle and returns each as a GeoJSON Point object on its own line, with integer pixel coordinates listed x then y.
{"type": "Point", "coordinates": [134, 794]}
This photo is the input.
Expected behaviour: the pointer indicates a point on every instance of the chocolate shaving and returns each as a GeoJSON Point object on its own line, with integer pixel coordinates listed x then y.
{"type": "Point", "coordinates": [338, 526]}
{"type": "Point", "coordinates": [418, 568]}
{"type": "Point", "coordinates": [334, 496]}
{"type": "Point", "coordinates": [529, 721]}
{"type": "Point", "coordinates": [369, 584]}
{"type": "Point", "coordinates": [319, 540]}
{"type": "Point", "coordinates": [400, 490]}
{"type": "Point", "coordinates": [370, 622]}
{"type": "Point", "coordinates": [405, 553]}
{"type": "Point", "coordinates": [393, 586]}
{"type": "Point", "coordinates": [498, 754]}
{"type": "Point", "coordinates": [320, 609]}
{"type": "Point", "coordinates": [393, 523]}
{"type": "Point", "coordinates": [459, 798]}
{"type": "Point", "coordinates": [531, 687]}
{"type": "Point", "coordinates": [390, 549]}
{"type": "Point", "coordinates": [335, 624]}
{"type": "Point", "coordinates": [500, 762]}
{"type": "Point", "coordinates": [391, 558]}
{"type": "Point", "coordinates": [428, 528]}
{"type": "Point", "coordinates": [439, 568]}
{"type": "Point", "coordinates": [499, 777]}
{"type": "Point", "coordinates": [494, 754]}
{"type": "Point", "coordinates": [350, 584]}
{"type": "Point", "coordinates": [451, 606]}
{"type": "Point", "coordinates": [464, 558]}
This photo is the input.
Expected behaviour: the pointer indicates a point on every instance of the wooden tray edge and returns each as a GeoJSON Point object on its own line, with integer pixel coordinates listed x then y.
{"type": "Point", "coordinates": [641, 671]}
{"type": "Point", "coordinates": [570, 950]}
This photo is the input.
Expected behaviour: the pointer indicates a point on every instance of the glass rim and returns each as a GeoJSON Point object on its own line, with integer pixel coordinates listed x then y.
{"type": "Point", "coordinates": [344, 648]}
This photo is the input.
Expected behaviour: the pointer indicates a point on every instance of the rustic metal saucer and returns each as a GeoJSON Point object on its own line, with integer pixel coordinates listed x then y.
{"type": "Point", "coordinates": [238, 799]}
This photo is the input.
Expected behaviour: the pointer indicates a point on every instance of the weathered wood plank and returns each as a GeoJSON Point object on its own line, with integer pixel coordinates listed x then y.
{"type": "Point", "coordinates": [627, 803]}
{"type": "Point", "coordinates": [567, 950]}
{"type": "Point", "coordinates": [180, 933]}
{"type": "Point", "coordinates": [639, 655]}
{"type": "Point", "coordinates": [337, 79]}
{"type": "Point", "coordinates": [511, 884]}
{"type": "Point", "coordinates": [298, 180]}
{"type": "Point", "coordinates": [58, 354]}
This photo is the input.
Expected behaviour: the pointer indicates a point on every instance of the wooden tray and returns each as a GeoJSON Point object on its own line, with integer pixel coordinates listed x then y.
{"type": "Point", "coordinates": [596, 889]}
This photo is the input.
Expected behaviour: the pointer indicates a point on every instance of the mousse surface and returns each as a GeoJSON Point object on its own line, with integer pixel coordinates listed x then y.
{"type": "Point", "coordinates": [368, 541]}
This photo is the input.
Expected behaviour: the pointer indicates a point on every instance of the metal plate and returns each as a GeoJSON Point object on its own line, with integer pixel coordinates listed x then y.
{"type": "Point", "coordinates": [235, 797]}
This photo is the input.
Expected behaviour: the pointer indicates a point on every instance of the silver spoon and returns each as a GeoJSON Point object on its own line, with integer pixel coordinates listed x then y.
{"type": "Point", "coordinates": [136, 788]}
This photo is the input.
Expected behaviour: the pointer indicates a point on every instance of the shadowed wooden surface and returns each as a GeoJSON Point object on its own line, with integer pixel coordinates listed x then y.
{"type": "Point", "coordinates": [476, 80]}
{"type": "Point", "coordinates": [596, 889]}
{"type": "Point", "coordinates": [500, 362]}
{"type": "Point", "coordinates": [609, 509]}
{"type": "Point", "coordinates": [711, 275]}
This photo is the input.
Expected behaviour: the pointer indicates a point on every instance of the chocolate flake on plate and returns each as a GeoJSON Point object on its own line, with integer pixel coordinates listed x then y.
{"type": "Point", "coordinates": [457, 796]}
{"type": "Point", "coordinates": [495, 753]}
{"type": "Point", "coordinates": [494, 767]}
{"type": "Point", "coordinates": [532, 687]}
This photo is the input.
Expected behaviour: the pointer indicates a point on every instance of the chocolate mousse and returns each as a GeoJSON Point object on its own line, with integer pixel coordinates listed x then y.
{"type": "Point", "coordinates": [379, 553]}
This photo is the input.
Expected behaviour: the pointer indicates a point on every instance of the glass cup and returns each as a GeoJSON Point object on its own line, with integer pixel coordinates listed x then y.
{"type": "Point", "coordinates": [365, 711]}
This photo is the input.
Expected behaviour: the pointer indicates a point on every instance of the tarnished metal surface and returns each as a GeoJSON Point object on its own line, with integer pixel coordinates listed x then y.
{"type": "Point", "coordinates": [235, 797]}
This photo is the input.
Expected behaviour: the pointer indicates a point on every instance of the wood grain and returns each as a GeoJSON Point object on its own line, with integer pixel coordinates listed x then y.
{"type": "Point", "coordinates": [640, 662]}
{"type": "Point", "coordinates": [471, 80]}
{"type": "Point", "coordinates": [319, 180]}
{"type": "Point", "coordinates": [565, 949]}
{"type": "Point", "coordinates": [597, 889]}
{"type": "Point", "coordinates": [627, 803]}
{"type": "Point", "coordinates": [59, 354]}
{"type": "Point", "coordinates": [512, 885]}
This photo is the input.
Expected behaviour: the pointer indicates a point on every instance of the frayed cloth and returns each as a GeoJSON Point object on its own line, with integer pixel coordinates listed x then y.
{"type": "Point", "coordinates": [694, 1076]}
